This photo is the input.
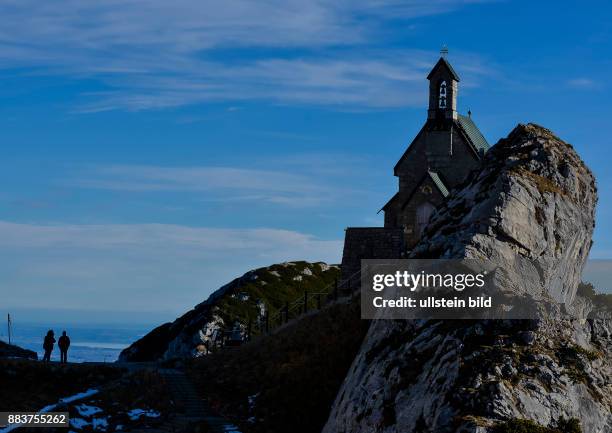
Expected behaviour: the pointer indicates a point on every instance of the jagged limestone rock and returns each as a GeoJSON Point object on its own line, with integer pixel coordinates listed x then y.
{"type": "Point", "coordinates": [532, 198]}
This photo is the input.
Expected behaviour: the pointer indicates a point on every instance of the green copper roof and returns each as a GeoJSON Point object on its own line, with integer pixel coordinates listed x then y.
{"type": "Point", "coordinates": [474, 134]}
{"type": "Point", "coordinates": [436, 179]}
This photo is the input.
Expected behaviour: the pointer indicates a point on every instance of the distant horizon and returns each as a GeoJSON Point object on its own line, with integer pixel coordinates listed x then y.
{"type": "Point", "coordinates": [101, 343]}
{"type": "Point", "coordinates": [597, 272]}
{"type": "Point", "coordinates": [85, 318]}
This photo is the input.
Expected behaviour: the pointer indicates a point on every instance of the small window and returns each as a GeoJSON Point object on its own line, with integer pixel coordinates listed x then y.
{"type": "Point", "coordinates": [442, 97]}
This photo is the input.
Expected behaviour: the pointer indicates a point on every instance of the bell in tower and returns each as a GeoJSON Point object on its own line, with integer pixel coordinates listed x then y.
{"type": "Point", "coordinates": [442, 98]}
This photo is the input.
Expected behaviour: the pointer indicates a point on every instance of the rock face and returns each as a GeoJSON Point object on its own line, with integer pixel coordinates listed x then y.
{"type": "Point", "coordinates": [532, 198]}
{"type": "Point", "coordinates": [244, 298]}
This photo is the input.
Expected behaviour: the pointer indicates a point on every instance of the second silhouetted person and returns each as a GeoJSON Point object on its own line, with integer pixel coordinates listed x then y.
{"type": "Point", "coordinates": [64, 344]}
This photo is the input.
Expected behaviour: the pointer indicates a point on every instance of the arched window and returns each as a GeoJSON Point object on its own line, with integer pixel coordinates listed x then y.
{"type": "Point", "coordinates": [442, 97]}
{"type": "Point", "coordinates": [423, 214]}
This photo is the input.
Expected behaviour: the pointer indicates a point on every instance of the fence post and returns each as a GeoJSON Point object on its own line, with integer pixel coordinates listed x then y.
{"type": "Point", "coordinates": [336, 289]}
{"type": "Point", "coordinates": [318, 301]}
{"type": "Point", "coordinates": [305, 301]}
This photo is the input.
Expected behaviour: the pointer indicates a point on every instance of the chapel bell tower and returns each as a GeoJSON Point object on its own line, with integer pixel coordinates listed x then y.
{"type": "Point", "coordinates": [443, 86]}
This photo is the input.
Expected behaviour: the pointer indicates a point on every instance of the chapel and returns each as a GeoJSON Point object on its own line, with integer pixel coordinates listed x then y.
{"type": "Point", "coordinates": [446, 149]}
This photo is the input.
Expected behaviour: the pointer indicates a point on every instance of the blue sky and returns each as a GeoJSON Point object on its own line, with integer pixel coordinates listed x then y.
{"type": "Point", "coordinates": [153, 150]}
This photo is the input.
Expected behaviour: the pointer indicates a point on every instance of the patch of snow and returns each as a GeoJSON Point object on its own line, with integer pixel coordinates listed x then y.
{"type": "Point", "coordinates": [275, 273]}
{"type": "Point", "coordinates": [263, 283]}
{"type": "Point", "coordinates": [285, 264]}
{"type": "Point", "coordinates": [306, 271]}
{"type": "Point", "coordinates": [100, 424]}
{"type": "Point", "coordinates": [79, 423]}
{"type": "Point", "coordinates": [119, 427]}
{"type": "Point", "coordinates": [79, 396]}
{"type": "Point", "coordinates": [135, 414]}
{"type": "Point", "coordinates": [86, 410]}
{"type": "Point", "coordinates": [230, 428]}
{"type": "Point", "coordinates": [252, 399]}
{"type": "Point", "coordinates": [297, 278]}
{"type": "Point", "coordinates": [50, 407]}
{"type": "Point", "coordinates": [243, 296]}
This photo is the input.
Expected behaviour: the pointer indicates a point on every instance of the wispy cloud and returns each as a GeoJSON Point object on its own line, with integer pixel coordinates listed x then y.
{"type": "Point", "coordinates": [294, 187]}
{"type": "Point", "coordinates": [119, 266]}
{"type": "Point", "coordinates": [583, 83]}
{"type": "Point", "coordinates": [155, 178]}
{"type": "Point", "coordinates": [374, 80]}
{"type": "Point", "coordinates": [192, 25]}
{"type": "Point", "coordinates": [156, 54]}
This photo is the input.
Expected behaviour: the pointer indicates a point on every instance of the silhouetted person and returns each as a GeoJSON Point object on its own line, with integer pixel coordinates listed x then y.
{"type": "Point", "coordinates": [63, 344]}
{"type": "Point", "coordinates": [48, 345]}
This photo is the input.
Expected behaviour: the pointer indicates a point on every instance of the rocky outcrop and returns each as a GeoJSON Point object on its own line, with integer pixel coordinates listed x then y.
{"type": "Point", "coordinates": [246, 298]}
{"type": "Point", "coordinates": [533, 198]}
{"type": "Point", "coordinates": [11, 351]}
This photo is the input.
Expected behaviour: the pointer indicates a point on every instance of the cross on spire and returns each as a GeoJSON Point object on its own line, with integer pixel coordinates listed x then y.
{"type": "Point", "coordinates": [444, 51]}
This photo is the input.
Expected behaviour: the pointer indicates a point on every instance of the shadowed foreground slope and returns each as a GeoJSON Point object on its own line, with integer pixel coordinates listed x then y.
{"type": "Point", "coordinates": [12, 351]}
{"type": "Point", "coordinates": [286, 381]}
